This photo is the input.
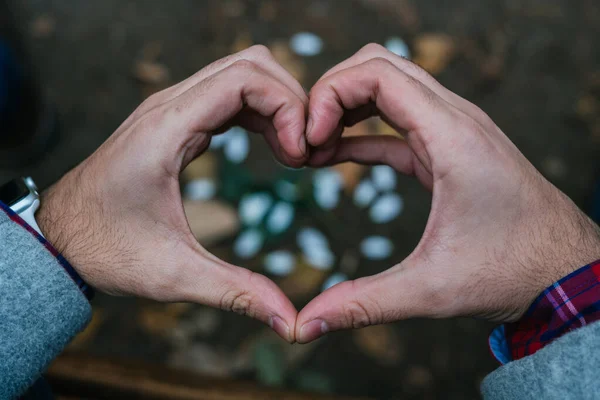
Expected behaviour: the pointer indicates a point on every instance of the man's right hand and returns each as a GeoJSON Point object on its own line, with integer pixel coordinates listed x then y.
{"type": "Point", "coordinates": [498, 232]}
{"type": "Point", "coordinates": [118, 216]}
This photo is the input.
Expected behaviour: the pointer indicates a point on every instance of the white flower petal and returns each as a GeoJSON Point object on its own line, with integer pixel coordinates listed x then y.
{"type": "Point", "coordinates": [306, 44]}
{"type": "Point", "coordinates": [318, 257]}
{"type": "Point", "coordinates": [334, 280]}
{"type": "Point", "coordinates": [327, 199]}
{"type": "Point", "coordinates": [238, 146]}
{"type": "Point", "coordinates": [281, 217]}
{"type": "Point", "coordinates": [286, 190]}
{"type": "Point", "coordinates": [218, 141]}
{"type": "Point", "coordinates": [376, 247]}
{"type": "Point", "coordinates": [200, 189]}
{"type": "Point", "coordinates": [384, 177]}
{"type": "Point", "coordinates": [280, 263]}
{"type": "Point", "coordinates": [364, 193]}
{"type": "Point", "coordinates": [249, 243]}
{"type": "Point", "coordinates": [386, 208]}
{"type": "Point", "coordinates": [398, 47]}
{"type": "Point", "coordinates": [253, 207]}
{"type": "Point", "coordinates": [311, 237]}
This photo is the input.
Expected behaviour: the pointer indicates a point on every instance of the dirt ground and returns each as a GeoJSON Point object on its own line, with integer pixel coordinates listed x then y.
{"type": "Point", "coordinates": [533, 66]}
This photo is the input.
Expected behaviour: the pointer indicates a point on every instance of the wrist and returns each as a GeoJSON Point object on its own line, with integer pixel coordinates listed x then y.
{"type": "Point", "coordinates": [565, 239]}
{"type": "Point", "coordinates": [63, 222]}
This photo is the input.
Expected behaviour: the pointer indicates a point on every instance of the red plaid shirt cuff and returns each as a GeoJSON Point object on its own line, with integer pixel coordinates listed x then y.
{"type": "Point", "coordinates": [570, 303]}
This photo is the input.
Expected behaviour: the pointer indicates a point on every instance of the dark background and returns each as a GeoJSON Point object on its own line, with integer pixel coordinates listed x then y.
{"type": "Point", "coordinates": [533, 66]}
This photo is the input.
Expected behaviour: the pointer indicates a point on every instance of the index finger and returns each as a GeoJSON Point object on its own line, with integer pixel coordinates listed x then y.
{"type": "Point", "coordinates": [401, 99]}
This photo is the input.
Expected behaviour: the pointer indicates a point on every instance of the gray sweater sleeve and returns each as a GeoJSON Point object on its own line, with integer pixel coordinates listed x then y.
{"type": "Point", "coordinates": [41, 308]}
{"type": "Point", "coordinates": [565, 369]}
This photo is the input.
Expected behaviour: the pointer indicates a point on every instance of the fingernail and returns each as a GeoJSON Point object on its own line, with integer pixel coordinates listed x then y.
{"type": "Point", "coordinates": [309, 126]}
{"type": "Point", "coordinates": [302, 145]}
{"type": "Point", "coordinates": [280, 327]}
{"type": "Point", "coordinates": [313, 330]}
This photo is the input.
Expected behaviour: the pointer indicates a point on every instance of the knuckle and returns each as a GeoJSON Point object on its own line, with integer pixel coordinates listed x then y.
{"type": "Point", "coordinates": [243, 67]}
{"type": "Point", "coordinates": [259, 50]}
{"type": "Point", "coordinates": [470, 125]}
{"type": "Point", "coordinates": [380, 63]}
{"type": "Point", "coordinates": [372, 48]}
{"type": "Point", "coordinates": [361, 312]}
{"type": "Point", "coordinates": [149, 103]}
{"type": "Point", "coordinates": [241, 300]}
{"type": "Point", "coordinates": [151, 118]}
{"type": "Point", "coordinates": [237, 300]}
{"type": "Point", "coordinates": [416, 70]}
{"type": "Point", "coordinates": [479, 114]}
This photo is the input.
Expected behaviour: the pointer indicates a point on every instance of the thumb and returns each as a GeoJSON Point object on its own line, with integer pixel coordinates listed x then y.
{"type": "Point", "coordinates": [392, 295]}
{"type": "Point", "coordinates": [222, 285]}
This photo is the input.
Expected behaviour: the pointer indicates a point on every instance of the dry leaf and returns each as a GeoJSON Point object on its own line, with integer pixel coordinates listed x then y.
{"type": "Point", "coordinates": [433, 51]}
{"type": "Point", "coordinates": [587, 107]}
{"type": "Point", "coordinates": [382, 128]}
{"type": "Point", "coordinates": [554, 167]}
{"type": "Point", "coordinates": [202, 167]}
{"type": "Point", "coordinates": [233, 8]}
{"type": "Point", "coordinates": [43, 26]}
{"type": "Point", "coordinates": [151, 72]}
{"type": "Point", "coordinates": [152, 51]}
{"type": "Point", "coordinates": [242, 42]}
{"type": "Point", "coordinates": [160, 320]}
{"type": "Point", "coordinates": [304, 282]}
{"type": "Point", "coordinates": [85, 337]}
{"type": "Point", "coordinates": [379, 342]}
{"type": "Point", "coordinates": [202, 358]}
{"type": "Point", "coordinates": [211, 221]}
{"type": "Point", "coordinates": [267, 11]}
{"type": "Point", "coordinates": [595, 131]}
{"type": "Point", "coordinates": [418, 376]}
{"type": "Point", "coordinates": [352, 172]}
{"type": "Point", "coordinates": [290, 61]}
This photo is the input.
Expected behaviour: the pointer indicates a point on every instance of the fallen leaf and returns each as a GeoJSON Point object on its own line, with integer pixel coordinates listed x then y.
{"type": "Point", "coordinates": [160, 320]}
{"type": "Point", "coordinates": [352, 172]}
{"type": "Point", "coordinates": [202, 358]}
{"type": "Point", "coordinates": [313, 381]}
{"type": "Point", "coordinates": [418, 377]}
{"type": "Point", "coordinates": [379, 342]}
{"type": "Point", "coordinates": [85, 337]}
{"type": "Point", "coordinates": [267, 11]}
{"type": "Point", "coordinates": [554, 167]}
{"type": "Point", "coordinates": [587, 107]}
{"type": "Point", "coordinates": [382, 128]}
{"type": "Point", "coordinates": [204, 321]}
{"type": "Point", "coordinates": [242, 42]}
{"type": "Point", "coordinates": [290, 61]}
{"type": "Point", "coordinates": [433, 51]}
{"type": "Point", "coordinates": [304, 282]}
{"type": "Point", "coordinates": [270, 362]}
{"type": "Point", "coordinates": [152, 51]}
{"type": "Point", "coordinates": [43, 26]}
{"type": "Point", "coordinates": [233, 8]}
{"type": "Point", "coordinates": [202, 167]}
{"type": "Point", "coordinates": [151, 72]}
{"type": "Point", "coordinates": [595, 131]}
{"type": "Point", "coordinates": [211, 221]}
{"type": "Point", "coordinates": [402, 10]}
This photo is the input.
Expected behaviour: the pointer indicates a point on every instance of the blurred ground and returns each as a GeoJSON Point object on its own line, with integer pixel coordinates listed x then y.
{"type": "Point", "coordinates": [532, 65]}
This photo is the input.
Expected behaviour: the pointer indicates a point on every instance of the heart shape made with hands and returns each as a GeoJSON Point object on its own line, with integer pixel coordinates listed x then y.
{"type": "Point", "coordinates": [475, 212]}
{"type": "Point", "coordinates": [120, 220]}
